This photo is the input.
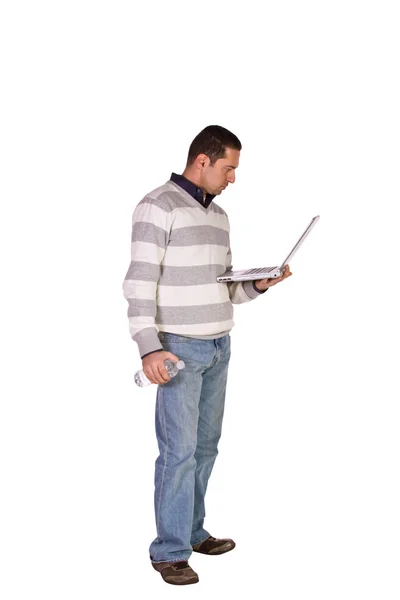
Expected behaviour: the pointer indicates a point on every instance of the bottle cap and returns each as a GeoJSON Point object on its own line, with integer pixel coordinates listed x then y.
{"type": "Point", "coordinates": [180, 364]}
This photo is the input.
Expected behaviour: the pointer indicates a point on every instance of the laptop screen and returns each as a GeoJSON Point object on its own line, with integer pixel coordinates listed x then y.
{"type": "Point", "coordinates": [299, 242]}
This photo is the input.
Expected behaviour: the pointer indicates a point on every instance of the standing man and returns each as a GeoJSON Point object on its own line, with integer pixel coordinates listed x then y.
{"type": "Point", "coordinates": [177, 310]}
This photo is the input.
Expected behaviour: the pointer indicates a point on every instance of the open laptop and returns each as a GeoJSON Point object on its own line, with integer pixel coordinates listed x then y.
{"type": "Point", "coordinates": [267, 272]}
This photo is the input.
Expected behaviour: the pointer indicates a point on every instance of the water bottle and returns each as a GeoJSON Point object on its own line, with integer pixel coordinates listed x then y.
{"type": "Point", "coordinates": [172, 368]}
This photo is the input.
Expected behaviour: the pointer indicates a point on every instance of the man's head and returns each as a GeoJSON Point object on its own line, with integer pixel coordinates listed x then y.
{"type": "Point", "coordinates": [212, 159]}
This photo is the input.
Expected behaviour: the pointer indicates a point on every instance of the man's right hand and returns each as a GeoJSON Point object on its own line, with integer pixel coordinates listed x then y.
{"type": "Point", "coordinates": [154, 368]}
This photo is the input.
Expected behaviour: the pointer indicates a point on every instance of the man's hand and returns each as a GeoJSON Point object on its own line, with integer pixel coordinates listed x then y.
{"type": "Point", "coordinates": [263, 284]}
{"type": "Point", "coordinates": [154, 368]}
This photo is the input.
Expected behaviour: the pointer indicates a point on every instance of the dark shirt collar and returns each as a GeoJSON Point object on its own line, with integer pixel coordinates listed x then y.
{"type": "Point", "coordinates": [192, 189]}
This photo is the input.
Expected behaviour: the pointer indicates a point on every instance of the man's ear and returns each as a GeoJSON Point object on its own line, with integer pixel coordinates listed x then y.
{"type": "Point", "coordinates": [202, 161]}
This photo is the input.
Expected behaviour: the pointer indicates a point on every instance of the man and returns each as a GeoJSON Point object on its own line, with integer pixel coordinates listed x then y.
{"type": "Point", "coordinates": [177, 310]}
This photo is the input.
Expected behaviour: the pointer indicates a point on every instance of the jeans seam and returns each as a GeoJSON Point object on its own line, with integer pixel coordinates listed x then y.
{"type": "Point", "coordinates": [166, 452]}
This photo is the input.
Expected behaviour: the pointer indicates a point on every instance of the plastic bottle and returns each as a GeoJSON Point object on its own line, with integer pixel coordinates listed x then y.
{"type": "Point", "coordinates": [172, 368]}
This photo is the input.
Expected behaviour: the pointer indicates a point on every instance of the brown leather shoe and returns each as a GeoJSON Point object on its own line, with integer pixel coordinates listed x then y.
{"type": "Point", "coordinates": [213, 545]}
{"type": "Point", "coordinates": [177, 573]}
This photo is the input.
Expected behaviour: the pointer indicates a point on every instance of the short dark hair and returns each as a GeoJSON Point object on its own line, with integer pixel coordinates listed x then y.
{"type": "Point", "coordinates": [213, 141]}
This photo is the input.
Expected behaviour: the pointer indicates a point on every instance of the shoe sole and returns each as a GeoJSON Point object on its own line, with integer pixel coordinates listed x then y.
{"type": "Point", "coordinates": [188, 582]}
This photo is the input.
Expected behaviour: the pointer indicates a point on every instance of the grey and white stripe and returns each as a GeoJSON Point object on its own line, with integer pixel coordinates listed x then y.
{"type": "Point", "coordinates": [178, 249]}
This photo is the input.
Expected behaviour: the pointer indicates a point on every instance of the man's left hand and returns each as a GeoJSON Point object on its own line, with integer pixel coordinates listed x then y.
{"type": "Point", "coordinates": [264, 284]}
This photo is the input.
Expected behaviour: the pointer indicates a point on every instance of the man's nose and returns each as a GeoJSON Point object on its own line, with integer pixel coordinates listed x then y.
{"type": "Point", "coordinates": [231, 177]}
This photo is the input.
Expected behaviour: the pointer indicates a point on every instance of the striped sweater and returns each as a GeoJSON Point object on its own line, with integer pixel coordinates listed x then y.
{"type": "Point", "coordinates": [179, 247]}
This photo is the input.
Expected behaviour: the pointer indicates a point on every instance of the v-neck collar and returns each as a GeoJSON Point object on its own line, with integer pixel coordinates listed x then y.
{"type": "Point", "coordinates": [194, 190]}
{"type": "Point", "coordinates": [195, 203]}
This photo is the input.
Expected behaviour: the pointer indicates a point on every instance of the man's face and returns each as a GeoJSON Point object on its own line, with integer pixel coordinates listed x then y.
{"type": "Point", "coordinates": [217, 177]}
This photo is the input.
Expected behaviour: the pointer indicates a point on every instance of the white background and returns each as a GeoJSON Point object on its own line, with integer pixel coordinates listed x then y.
{"type": "Point", "coordinates": [99, 103]}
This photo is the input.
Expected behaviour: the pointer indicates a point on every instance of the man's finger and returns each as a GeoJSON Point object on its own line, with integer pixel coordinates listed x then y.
{"type": "Point", "coordinates": [162, 373]}
{"type": "Point", "coordinates": [150, 375]}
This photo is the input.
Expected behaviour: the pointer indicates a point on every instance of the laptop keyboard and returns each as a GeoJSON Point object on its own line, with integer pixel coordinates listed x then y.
{"type": "Point", "coordinates": [254, 271]}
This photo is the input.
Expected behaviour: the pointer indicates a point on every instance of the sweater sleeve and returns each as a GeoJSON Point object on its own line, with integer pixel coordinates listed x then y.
{"type": "Point", "coordinates": [150, 233]}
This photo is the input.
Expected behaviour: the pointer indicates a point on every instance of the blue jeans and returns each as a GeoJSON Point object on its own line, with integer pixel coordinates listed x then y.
{"type": "Point", "coordinates": [189, 413]}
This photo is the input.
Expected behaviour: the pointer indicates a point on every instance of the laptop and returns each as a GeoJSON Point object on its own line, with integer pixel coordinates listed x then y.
{"type": "Point", "coordinates": [267, 272]}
